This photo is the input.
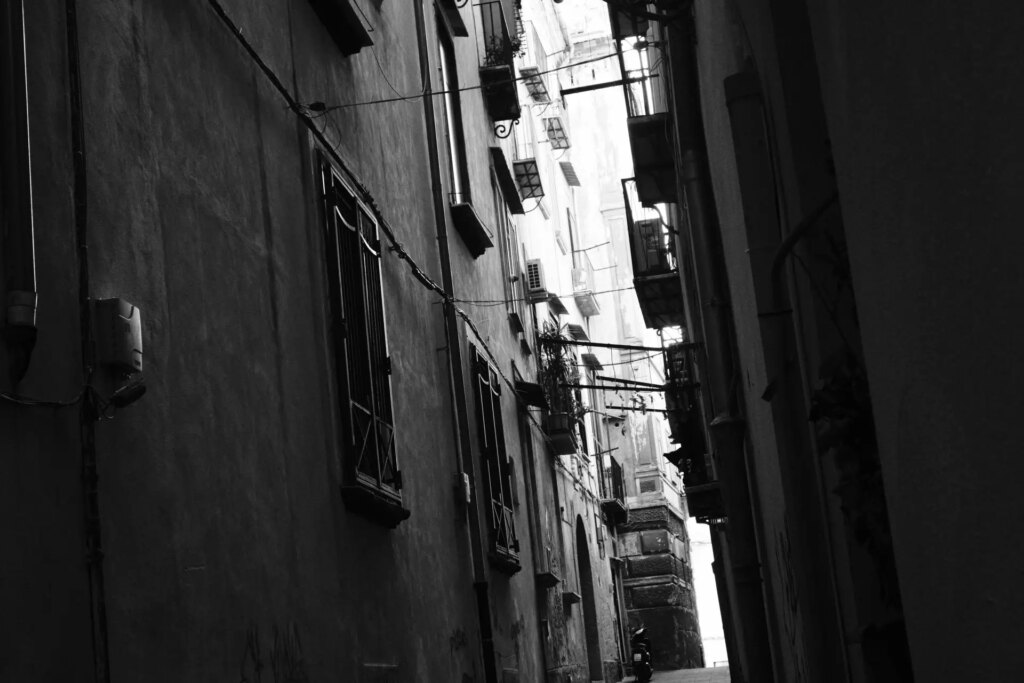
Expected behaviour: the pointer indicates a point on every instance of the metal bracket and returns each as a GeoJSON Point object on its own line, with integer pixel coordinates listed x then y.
{"type": "Point", "coordinates": [503, 129]}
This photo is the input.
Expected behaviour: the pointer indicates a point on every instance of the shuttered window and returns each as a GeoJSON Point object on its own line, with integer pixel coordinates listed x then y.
{"type": "Point", "coordinates": [372, 481]}
{"type": "Point", "coordinates": [497, 468]}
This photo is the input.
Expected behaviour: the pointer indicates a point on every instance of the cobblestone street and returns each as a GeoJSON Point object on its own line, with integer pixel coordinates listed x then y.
{"type": "Point", "coordinates": [719, 674]}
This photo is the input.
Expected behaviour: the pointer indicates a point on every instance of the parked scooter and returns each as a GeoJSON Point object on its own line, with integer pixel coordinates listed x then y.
{"type": "Point", "coordinates": [641, 646]}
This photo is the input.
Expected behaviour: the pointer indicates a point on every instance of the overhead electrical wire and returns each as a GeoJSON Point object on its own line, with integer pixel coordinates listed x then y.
{"type": "Point", "coordinates": [626, 362]}
{"type": "Point", "coordinates": [495, 302]}
{"type": "Point", "coordinates": [396, 247]}
{"type": "Point", "coordinates": [322, 108]}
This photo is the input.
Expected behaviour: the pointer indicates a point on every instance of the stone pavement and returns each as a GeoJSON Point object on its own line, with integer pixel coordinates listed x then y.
{"type": "Point", "coordinates": [719, 674]}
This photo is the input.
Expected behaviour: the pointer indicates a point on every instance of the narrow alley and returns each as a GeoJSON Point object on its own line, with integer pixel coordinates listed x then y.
{"type": "Point", "coordinates": [511, 341]}
{"type": "Point", "coordinates": [718, 674]}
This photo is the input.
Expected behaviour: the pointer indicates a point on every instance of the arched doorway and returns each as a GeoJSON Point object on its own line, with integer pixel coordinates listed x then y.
{"type": "Point", "coordinates": [587, 599]}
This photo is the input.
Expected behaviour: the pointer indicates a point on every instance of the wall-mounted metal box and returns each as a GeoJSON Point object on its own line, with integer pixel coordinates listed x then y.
{"type": "Point", "coordinates": [118, 330]}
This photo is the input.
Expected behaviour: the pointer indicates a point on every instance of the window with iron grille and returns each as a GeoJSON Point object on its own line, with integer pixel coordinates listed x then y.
{"type": "Point", "coordinates": [372, 482]}
{"type": "Point", "coordinates": [497, 468]}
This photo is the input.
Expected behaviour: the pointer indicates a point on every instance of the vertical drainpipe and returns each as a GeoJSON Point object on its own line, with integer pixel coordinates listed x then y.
{"type": "Point", "coordinates": [768, 251]}
{"type": "Point", "coordinates": [455, 360]}
{"type": "Point", "coordinates": [727, 428]}
{"type": "Point", "coordinates": [19, 252]}
{"type": "Point", "coordinates": [728, 431]}
{"type": "Point", "coordinates": [87, 414]}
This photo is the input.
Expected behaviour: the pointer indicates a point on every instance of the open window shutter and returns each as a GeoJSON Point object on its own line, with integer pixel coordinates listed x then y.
{"type": "Point", "coordinates": [338, 244]}
{"type": "Point", "coordinates": [485, 421]}
{"type": "Point", "coordinates": [378, 367]}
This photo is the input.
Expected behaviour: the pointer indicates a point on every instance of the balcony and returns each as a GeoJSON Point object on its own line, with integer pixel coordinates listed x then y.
{"type": "Point", "coordinates": [613, 492]}
{"type": "Point", "coordinates": [558, 374]}
{"type": "Point", "coordinates": [583, 287]}
{"type": "Point", "coordinates": [650, 139]}
{"type": "Point", "coordinates": [659, 289]}
{"type": "Point", "coordinates": [645, 87]}
{"type": "Point", "coordinates": [497, 70]}
{"type": "Point", "coordinates": [705, 503]}
{"type": "Point", "coordinates": [685, 415]}
{"type": "Point", "coordinates": [561, 432]}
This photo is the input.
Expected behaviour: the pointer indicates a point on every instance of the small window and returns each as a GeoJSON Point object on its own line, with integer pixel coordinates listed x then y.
{"type": "Point", "coordinates": [497, 468]}
{"type": "Point", "coordinates": [372, 482]}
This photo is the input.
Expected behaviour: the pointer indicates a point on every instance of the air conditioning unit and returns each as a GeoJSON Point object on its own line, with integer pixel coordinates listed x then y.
{"type": "Point", "coordinates": [652, 253]}
{"type": "Point", "coordinates": [536, 289]}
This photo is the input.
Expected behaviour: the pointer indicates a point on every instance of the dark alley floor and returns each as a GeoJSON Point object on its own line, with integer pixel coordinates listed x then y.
{"type": "Point", "coordinates": [719, 674]}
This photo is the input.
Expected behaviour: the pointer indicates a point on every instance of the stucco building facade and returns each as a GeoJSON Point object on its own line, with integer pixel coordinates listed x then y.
{"type": "Point", "coordinates": [253, 424]}
{"type": "Point", "coordinates": [796, 154]}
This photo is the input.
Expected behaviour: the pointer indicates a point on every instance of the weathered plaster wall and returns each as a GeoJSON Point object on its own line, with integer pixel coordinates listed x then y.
{"type": "Point", "coordinates": [578, 503]}
{"type": "Point", "coordinates": [227, 547]}
{"type": "Point", "coordinates": [922, 111]}
{"type": "Point", "coordinates": [43, 582]}
{"type": "Point", "coordinates": [795, 512]}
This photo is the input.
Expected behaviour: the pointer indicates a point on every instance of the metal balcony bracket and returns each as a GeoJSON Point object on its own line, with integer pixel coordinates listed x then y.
{"type": "Point", "coordinates": [503, 129]}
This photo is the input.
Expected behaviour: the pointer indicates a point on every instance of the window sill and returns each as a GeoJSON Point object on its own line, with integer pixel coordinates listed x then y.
{"type": "Point", "coordinates": [504, 561]}
{"type": "Point", "coordinates": [374, 504]}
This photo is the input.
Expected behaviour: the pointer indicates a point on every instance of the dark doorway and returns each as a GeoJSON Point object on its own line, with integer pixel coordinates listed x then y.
{"type": "Point", "coordinates": [589, 606]}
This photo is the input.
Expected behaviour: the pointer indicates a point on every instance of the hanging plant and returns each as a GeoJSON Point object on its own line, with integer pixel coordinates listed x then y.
{"type": "Point", "coordinates": [558, 369]}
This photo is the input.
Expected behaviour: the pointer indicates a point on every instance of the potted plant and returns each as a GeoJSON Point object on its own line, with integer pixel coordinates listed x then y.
{"type": "Point", "coordinates": [558, 370]}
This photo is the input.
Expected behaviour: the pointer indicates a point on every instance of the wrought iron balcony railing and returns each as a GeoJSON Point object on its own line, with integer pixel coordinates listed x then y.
{"type": "Point", "coordinates": [496, 45]}
{"type": "Point", "coordinates": [685, 415]}
{"type": "Point", "coordinates": [497, 70]}
{"type": "Point", "coordinates": [655, 275]}
{"type": "Point", "coordinates": [646, 87]}
{"type": "Point", "coordinates": [644, 78]}
{"type": "Point", "coordinates": [650, 238]}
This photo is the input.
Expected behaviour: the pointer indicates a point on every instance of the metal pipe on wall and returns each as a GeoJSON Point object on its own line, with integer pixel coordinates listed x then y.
{"type": "Point", "coordinates": [727, 427]}
{"type": "Point", "coordinates": [453, 344]}
{"type": "Point", "coordinates": [87, 410]}
{"type": "Point", "coordinates": [19, 253]}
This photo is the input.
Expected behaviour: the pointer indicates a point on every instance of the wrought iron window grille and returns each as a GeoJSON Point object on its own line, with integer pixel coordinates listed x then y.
{"type": "Point", "coordinates": [497, 468]}
{"type": "Point", "coordinates": [371, 480]}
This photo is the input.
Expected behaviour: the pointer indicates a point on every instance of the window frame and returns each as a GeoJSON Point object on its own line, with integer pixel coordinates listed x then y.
{"type": "Point", "coordinates": [353, 261]}
{"type": "Point", "coordinates": [497, 467]}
